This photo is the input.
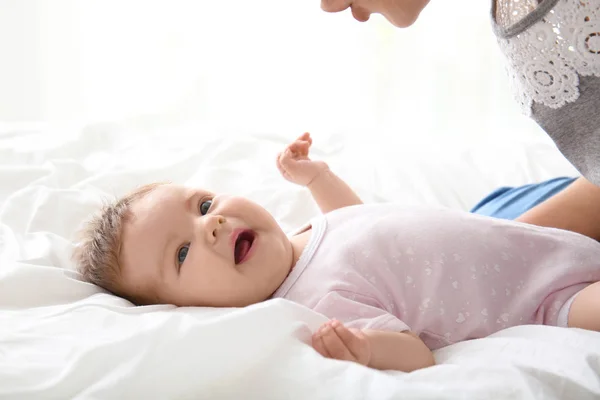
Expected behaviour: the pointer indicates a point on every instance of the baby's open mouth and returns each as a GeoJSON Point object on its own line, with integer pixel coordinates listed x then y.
{"type": "Point", "coordinates": [243, 244]}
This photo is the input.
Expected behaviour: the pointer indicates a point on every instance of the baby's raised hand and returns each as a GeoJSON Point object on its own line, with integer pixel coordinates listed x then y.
{"type": "Point", "coordinates": [295, 165]}
{"type": "Point", "coordinates": [334, 340]}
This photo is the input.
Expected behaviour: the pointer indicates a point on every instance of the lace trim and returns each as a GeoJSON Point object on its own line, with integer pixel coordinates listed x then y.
{"type": "Point", "coordinates": [509, 12]}
{"type": "Point", "coordinates": [545, 60]}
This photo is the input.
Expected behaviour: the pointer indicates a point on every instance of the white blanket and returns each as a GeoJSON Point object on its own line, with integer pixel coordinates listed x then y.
{"type": "Point", "coordinates": [63, 338]}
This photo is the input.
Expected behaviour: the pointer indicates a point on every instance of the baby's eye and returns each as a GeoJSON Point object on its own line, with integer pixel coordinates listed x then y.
{"type": "Point", "coordinates": [205, 206]}
{"type": "Point", "coordinates": [182, 253]}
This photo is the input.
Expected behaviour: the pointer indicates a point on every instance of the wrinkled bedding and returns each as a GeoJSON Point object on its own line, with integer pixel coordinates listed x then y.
{"type": "Point", "coordinates": [64, 338]}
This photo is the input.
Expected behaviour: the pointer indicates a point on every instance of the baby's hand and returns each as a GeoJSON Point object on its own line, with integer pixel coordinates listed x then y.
{"type": "Point", "coordinates": [295, 165]}
{"type": "Point", "coordinates": [334, 340]}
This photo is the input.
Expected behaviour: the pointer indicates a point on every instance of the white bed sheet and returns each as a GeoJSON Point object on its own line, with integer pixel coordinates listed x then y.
{"type": "Point", "coordinates": [63, 338]}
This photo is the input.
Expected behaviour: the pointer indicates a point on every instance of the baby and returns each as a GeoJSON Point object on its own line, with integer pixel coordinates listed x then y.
{"type": "Point", "coordinates": [396, 282]}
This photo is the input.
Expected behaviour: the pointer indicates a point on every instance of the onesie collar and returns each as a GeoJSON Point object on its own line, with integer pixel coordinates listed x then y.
{"type": "Point", "coordinates": [319, 225]}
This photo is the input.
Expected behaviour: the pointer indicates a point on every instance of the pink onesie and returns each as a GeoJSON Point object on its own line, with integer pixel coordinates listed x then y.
{"type": "Point", "coordinates": [446, 275]}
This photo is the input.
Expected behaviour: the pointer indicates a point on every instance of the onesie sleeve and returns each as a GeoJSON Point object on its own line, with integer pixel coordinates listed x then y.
{"type": "Point", "coordinates": [358, 311]}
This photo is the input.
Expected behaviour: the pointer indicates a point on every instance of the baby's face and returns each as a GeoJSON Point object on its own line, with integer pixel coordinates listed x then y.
{"type": "Point", "coordinates": [190, 247]}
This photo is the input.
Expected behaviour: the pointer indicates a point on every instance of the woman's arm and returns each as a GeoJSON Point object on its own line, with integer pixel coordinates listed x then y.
{"type": "Point", "coordinates": [576, 208]}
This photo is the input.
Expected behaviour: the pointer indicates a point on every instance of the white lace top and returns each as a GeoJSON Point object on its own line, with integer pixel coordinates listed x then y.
{"type": "Point", "coordinates": [552, 49]}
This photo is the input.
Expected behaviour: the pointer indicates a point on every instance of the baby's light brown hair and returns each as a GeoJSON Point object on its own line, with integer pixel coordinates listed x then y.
{"type": "Point", "coordinates": [97, 255]}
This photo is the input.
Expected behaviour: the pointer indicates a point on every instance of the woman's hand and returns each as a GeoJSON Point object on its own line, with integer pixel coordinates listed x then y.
{"type": "Point", "coordinates": [295, 165]}
{"type": "Point", "coordinates": [334, 340]}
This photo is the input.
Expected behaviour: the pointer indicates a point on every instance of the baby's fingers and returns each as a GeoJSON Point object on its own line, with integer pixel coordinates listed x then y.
{"type": "Point", "coordinates": [318, 345]}
{"type": "Point", "coordinates": [279, 164]}
{"type": "Point", "coordinates": [345, 335]}
{"type": "Point", "coordinates": [356, 342]}
{"type": "Point", "coordinates": [334, 344]}
{"type": "Point", "coordinates": [286, 159]}
{"type": "Point", "coordinates": [305, 137]}
{"type": "Point", "coordinates": [299, 147]}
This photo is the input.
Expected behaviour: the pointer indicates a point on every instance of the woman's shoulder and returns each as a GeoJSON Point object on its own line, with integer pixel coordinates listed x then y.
{"type": "Point", "coordinates": [552, 52]}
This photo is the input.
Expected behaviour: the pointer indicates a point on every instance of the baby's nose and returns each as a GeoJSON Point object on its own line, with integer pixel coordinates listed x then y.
{"type": "Point", "coordinates": [214, 224]}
